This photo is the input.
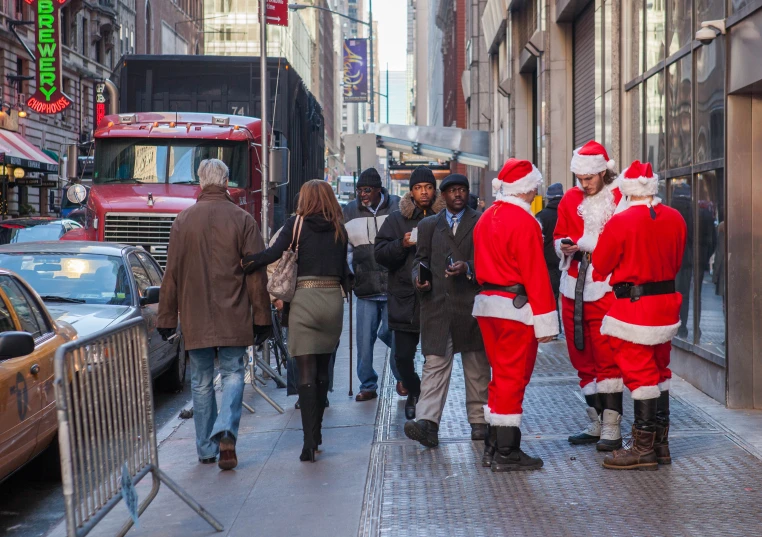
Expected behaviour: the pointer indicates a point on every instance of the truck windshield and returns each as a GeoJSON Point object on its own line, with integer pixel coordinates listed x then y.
{"type": "Point", "coordinates": [132, 160]}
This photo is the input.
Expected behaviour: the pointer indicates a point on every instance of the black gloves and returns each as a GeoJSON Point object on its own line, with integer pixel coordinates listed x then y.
{"type": "Point", "coordinates": [166, 333]}
{"type": "Point", "coordinates": [262, 334]}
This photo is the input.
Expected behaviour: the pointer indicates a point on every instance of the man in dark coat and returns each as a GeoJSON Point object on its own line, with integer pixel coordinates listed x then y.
{"type": "Point", "coordinates": [548, 218]}
{"type": "Point", "coordinates": [395, 250]}
{"type": "Point", "coordinates": [445, 245]}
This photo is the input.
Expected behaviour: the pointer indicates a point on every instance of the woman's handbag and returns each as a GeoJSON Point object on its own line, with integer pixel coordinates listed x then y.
{"type": "Point", "coordinates": [282, 284]}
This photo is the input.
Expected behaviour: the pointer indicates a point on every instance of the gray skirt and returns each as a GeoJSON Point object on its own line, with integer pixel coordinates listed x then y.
{"type": "Point", "coordinates": [315, 320]}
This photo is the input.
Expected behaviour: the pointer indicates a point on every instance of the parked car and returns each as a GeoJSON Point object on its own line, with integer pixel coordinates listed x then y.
{"type": "Point", "coordinates": [94, 285]}
{"type": "Point", "coordinates": [31, 229]}
{"type": "Point", "coordinates": [29, 338]}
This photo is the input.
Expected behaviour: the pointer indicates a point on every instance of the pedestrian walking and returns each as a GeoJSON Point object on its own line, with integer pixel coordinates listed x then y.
{"type": "Point", "coordinates": [221, 310]}
{"type": "Point", "coordinates": [515, 308]}
{"type": "Point", "coordinates": [548, 217]}
{"type": "Point", "coordinates": [443, 272]}
{"type": "Point", "coordinates": [363, 218]}
{"type": "Point", "coordinates": [582, 214]}
{"type": "Point", "coordinates": [641, 250]}
{"type": "Point", "coordinates": [316, 315]}
{"type": "Point", "coordinates": [395, 250]}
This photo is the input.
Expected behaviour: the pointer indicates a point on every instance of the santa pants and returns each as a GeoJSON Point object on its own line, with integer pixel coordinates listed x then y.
{"type": "Point", "coordinates": [512, 350]}
{"type": "Point", "coordinates": [645, 368]}
{"type": "Point", "coordinates": [596, 363]}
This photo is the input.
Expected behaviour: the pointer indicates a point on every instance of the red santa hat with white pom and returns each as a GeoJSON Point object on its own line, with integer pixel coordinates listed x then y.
{"type": "Point", "coordinates": [590, 159]}
{"type": "Point", "coordinates": [516, 177]}
{"type": "Point", "coordinates": [639, 180]}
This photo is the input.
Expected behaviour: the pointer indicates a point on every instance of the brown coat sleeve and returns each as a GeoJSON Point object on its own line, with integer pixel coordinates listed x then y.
{"type": "Point", "coordinates": [168, 297]}
{"type": "Point", "coordinates": [256, 282]}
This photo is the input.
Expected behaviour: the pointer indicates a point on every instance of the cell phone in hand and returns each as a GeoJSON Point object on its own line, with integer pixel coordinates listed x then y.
{"type": "Point", "coordinates": [450, 261]}
{"type": "Point", "coordinates": [567, 242]}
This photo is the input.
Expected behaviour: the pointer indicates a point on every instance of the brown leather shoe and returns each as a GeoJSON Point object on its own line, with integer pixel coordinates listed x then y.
{"type": "Point", "coordinates": [639, 456]}
{"type": "Point", "coordinates": [661, 445]}
{"type": "Point", "coordinates": [228, 459]}
{"type": "Point", "coordinates": [366, 396]}
{"type": "Point", "coordinates": [401, 391]}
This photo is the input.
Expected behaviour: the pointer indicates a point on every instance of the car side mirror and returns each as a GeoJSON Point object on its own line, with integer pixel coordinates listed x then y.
{"type": "Point", "coordinates": [151, 296]}
{"type": "Point", "coordinates": [15, 344]}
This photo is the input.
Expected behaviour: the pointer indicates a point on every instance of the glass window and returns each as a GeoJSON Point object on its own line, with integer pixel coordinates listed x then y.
{"type": "Point", "coordinates": [679, 195]}
{"type": "Point", "coordinates": [140, 274]}
{"type": "Point", "coordinates": [27, 318]}
{"type": "Point", "coordinates": [635, 112]}
{"type": "Point", "coordinates": [710, 101]}
{"type": "Point", "coordinates": [655, 18]}
{"type": "Point", "coordinates": [154, 272]}
{"type": "Point", "coordinates": [679, 31]}
{"type": "Point", "coordinates": [711, 270]}
{"type": "Point", "coordinates": [13, 233]}
{"type": "Point", "coordinates": [735, 5]}
{"type": "Point", "coordinates": [679, 112]}
{"type": "Point", "coordinates": [707, 10]}
{"type": "Point", "coordinates": [655, 138]}
{"type": "Point", "coordinates": [6, 321]}
{"type": "Point", "coordinates": [34, 306]}
{"type": "Point", "coordinates": [634, 44]}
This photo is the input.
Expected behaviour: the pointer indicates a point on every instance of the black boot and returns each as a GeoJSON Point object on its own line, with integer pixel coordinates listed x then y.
{"type": "Point", "coordinates": [423, 431]}
{"type": "Point", "coordinates": [611, 431]}
{"type": "Point", "coordinates": [509, 457]}
{"type": "Point", "coordinates": [490, 445]}
{"type": "Point", "coordinates": [640, 455]}
{"type": "Point", "coordinates": [322, 398]}
{"type": "Point", "coordinates": [661, 443]}
{"type": "Point", "coordinates": [308, 401]}
{"type": "Point", "coordinates": [593, 432]}
{"type": "Point", "coordinates": [412, 400]}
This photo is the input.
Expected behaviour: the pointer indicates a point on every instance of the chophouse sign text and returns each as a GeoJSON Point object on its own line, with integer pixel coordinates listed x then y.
{"type": "Point", "coordinates": [49, 97]}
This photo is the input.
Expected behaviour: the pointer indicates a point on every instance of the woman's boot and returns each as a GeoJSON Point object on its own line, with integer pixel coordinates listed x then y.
{"type": "Point", "coordinates": [593, 432]}
{"type": "Point", "coordinates": [611, 431]}
{"type": "Point", "coordinates": [640, 455]}
{"type": "Point", "coordinates": [661, 444]}
{"type": "Point", "coordinates": [322, 397]}
{"type": "Point", "coordinates": [308, 401]}
{"type": "Point", "coordinates": [509, 457]}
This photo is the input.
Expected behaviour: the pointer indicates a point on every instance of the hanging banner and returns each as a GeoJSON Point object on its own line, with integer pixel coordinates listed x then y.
{"type": "Point", "coordinates": [49, 97]}
{"type": "Point", "coordinates": [100, 102]}
{"type": "Point", "coordinates": [356, 71]}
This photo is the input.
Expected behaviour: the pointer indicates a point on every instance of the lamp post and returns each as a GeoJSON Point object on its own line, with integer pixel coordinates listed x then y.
{"type": "Point", "coordinates": [297, 7]}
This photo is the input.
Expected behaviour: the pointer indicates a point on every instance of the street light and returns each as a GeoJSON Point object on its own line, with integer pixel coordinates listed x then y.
{"type": "Point", "coordinates": [299, 7]}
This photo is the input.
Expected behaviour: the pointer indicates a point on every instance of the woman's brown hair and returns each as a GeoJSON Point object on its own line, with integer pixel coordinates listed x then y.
{"type": "Point", "coordinates": [317, 197]}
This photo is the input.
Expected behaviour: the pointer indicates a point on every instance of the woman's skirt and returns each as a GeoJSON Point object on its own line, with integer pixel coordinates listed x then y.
{"type": "Point", "coordinates": [316, 318]}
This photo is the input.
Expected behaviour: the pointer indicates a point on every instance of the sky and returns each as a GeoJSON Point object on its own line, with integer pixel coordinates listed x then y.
{"type": "Point", "coordinates": [392, 27]}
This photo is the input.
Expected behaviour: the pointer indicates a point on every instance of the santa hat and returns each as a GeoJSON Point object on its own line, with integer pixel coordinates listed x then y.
{"type": "Point", "coordinates": [590, 159]}
{"type": "Point", "coordinates": [639, 180]}
{"type": "Point", "coordinates": [516, 177]}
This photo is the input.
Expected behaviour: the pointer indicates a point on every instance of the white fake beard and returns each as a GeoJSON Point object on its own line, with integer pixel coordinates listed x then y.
{"type": "Point", "coordinates": [595, 211]}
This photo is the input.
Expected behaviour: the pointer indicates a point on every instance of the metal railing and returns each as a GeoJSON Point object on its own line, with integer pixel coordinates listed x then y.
{"type": "Point", "coordinates": [106, 428]}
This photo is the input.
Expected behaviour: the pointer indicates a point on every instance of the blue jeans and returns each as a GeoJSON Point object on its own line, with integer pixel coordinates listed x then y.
{"type": "Point", "coordinates": [210, 425]}
{"type": "Point", "coordinates": [371, 325]}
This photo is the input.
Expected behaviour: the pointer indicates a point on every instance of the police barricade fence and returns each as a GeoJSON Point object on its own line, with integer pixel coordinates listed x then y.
{"type": "Point", "coordinates": [106, 429]}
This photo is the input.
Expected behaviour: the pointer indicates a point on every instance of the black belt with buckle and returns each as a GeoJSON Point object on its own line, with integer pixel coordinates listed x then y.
{"type": "Point", "coordinates": [521, 298]}
{"type": "Point", "coordinates": [634, 292]}
{"type": "Point", "coordinates": [578, 255]}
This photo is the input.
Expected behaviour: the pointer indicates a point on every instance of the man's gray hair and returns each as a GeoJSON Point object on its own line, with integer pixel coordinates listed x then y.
{"type": "Point", "coordinates": [212, 172]}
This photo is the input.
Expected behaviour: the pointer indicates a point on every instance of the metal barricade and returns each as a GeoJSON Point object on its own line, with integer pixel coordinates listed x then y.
{"type": "Point", "coordinates": [106, 422]}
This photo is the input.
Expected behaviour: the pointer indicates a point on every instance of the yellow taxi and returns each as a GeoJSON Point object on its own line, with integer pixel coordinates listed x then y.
{"type": "Point", "coordinates": [29, 338]}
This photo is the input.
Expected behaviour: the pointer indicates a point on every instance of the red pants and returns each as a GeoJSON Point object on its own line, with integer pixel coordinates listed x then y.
{"type": "Point", "coordinates": [645, 368]}
{"type": "Point", "coordinates": [512, 350]}
{"type": "Point", "coordinates": [596, 362]}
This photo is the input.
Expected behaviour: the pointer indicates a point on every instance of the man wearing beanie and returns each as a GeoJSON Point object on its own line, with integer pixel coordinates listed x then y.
{"type": "Point", "coordinates": [395, 250]}
{"type": "Point", "coordinates": [548, 218]}
{"type": "Point", "coordinates": [363, 218]}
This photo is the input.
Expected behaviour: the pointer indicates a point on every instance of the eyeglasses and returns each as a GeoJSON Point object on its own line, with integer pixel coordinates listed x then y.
{"type": "Point", "coordinates": [365, 190]}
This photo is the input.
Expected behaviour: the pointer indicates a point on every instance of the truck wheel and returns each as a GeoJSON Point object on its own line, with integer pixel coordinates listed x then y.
{"type": "Point", "coordinates": [173, 379]}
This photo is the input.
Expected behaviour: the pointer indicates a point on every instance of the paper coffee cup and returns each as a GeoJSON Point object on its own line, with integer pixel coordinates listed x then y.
{"type": "Point", "coordinates": [414, 235]}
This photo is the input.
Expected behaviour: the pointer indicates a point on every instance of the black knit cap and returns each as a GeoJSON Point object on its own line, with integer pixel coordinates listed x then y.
{"type": "Point", "coordinates": [454, 179]}
{"type": "Point", "coordinates": [369, 177]}
{"type": "Point", "coordinates": [422, 174]}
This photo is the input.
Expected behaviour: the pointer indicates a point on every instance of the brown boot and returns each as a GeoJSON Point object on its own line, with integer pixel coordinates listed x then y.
{"type": "Point", "coordinates": [640, 455]}
{"type": "Point", "coordinates": [661, 443]}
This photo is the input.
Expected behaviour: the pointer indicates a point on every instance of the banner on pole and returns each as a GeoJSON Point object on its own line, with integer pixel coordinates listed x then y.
{"type": "Point", "coordinates": [356, 71]}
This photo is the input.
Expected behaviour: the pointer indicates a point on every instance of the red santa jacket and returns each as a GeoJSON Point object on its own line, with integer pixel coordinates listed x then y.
{"type": "Point", "coordinates": [638, 249]}
{"type": "Point", "coordinates": [508, 250]}
{"type": "Point", "coordinates": [582, 218]}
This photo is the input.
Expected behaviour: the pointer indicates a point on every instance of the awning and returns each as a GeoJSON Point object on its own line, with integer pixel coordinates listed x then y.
{"type": "Point", "coordinates": [15, 150]}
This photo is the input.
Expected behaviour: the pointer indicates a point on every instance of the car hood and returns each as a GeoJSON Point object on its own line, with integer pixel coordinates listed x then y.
{"type": "Point", "coordinates": [87, 318]}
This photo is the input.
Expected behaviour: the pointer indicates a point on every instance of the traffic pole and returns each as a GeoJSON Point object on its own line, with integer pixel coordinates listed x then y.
{"type": "Point", "coordinates": [265, 139]}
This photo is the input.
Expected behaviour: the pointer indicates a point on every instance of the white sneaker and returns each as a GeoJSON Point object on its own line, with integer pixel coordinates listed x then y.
{"type": "Point", "coordinates": [611, 431]}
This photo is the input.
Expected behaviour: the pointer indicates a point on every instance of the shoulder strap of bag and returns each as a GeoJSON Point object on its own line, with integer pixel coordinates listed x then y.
{"type": "Point", "coordinates": [296, 234]}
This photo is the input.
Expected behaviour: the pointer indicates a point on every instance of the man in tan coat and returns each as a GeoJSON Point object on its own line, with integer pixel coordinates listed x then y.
{"type": "Point", "coordinates": [221, 309]}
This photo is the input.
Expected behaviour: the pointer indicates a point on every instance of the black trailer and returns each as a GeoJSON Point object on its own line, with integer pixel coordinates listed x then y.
{"type": "Point", "coordinates": [231, 85]}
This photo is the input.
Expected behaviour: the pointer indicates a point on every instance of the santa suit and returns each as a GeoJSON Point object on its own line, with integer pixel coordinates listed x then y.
{"type": "Point", "coordinates": [638, 248]}
{"type": "Point", "coordinates": [581, 218]}
{"type": "Point", "coordinates": [508, 250]}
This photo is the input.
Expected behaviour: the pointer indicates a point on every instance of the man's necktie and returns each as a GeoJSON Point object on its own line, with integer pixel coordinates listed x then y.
{"type": "Point", "coordinates": [454, 225]}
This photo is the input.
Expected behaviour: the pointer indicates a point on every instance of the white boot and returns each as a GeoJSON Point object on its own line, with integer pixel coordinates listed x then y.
{"type": "Point", "coordinates": [592, 434]}
{"type": "Point", "coordinates": [611, 431]}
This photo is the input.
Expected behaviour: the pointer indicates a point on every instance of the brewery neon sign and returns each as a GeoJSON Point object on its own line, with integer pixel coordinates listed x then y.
{"type": "Point", "coordinates": [49, 97]}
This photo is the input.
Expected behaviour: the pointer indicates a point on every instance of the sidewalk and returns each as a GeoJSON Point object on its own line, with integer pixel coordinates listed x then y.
{"type": "Point", "coordinates": [372, 481]}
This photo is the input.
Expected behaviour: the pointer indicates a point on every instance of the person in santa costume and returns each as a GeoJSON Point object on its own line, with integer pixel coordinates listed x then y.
{"type": "Point", "coordinates": [515, 308]}
{"type": "Point", "coordinates": [582, 214]}
{"type": "Point", "coordinates": [641, 250]}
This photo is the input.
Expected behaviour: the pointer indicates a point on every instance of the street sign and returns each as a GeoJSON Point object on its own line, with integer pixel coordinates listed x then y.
{"type": "Point", "coordinates": [277, 12]}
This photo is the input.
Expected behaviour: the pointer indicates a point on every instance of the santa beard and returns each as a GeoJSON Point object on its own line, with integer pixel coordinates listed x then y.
{"type": "Point", "coordinates": [595, 211]}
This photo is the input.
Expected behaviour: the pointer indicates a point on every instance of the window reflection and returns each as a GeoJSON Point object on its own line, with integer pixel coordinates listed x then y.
{"type": "Point", "coordinates": [679, 28]}
{"type": "Point", "coordinates": [711, 272]}
{"type": "Point", "coordinates": [655, 19]}
{"type": "Point", "coordinates": [655, 139]}
{"type": "Point", "coordinates": [680, 199]}
{"type": "Point", "coordinates": [710, 101]}
{"type": "Point", "coordinates": [707, 10]}
{"type": "Point", "coordinates": [634, 39]}
{"type": "Point", "coordinates": [635, 111]}
{"type": "Point", "coordinates": [679, 113]}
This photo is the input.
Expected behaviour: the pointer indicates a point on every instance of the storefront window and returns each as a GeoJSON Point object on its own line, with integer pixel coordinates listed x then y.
{"type": "Point", "coordinates": [679, 31]}
{"type": "Point", "coordinates": [679, 113]}
{"type": "Point", "coordinates": [681, 200]}
{"type": "Point", "coordinates": [655, 138]}
{"type": "Point", "coordinates": [710, 101]}
{"type": "Point", "coordinates": [711, 270]}
{"type": "Point", "coordinates": [655, 19]}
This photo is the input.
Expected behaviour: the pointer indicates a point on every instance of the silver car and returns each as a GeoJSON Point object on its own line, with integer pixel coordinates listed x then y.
{"type": "Point", "coordinates": [94, 285]}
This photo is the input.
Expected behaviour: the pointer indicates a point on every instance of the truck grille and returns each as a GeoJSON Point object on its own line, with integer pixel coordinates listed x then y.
{"type": "Point", "coordinates": [151, 231]}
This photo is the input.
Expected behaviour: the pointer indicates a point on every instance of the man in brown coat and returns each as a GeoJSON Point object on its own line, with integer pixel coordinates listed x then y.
{"type": "Point", "coordinates": [221, 309]}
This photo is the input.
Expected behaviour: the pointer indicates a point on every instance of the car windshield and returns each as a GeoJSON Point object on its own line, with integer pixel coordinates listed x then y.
{"type": "Point", "coordinates": [13, 233]}
{"type": "Point", "coordinates": [137, 160]}
{"type": "Point", "coordinates": [86, 278]}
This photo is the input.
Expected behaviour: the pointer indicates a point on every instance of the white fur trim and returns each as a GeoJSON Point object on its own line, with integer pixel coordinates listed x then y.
{"type": "Point", "coordinates": [610, 385]}
{"type": "Point", "coordinates": [587, 242]}
{"type": "Point", "coordinates": [654, 202]}
{"type": "Point", "coordinates": [623, 205]}
{"type": "Point", "coordinates": [589, 164]}
{"type": "Point", "coordinates": [546, 325]}
{"type": "Point", "coordinates": [635, 333]}
{"type": "Point", "coordinates": [642, 186]}
{"type": "Point", "coordinates": [646, 392]}
{"type": "Point", "coordinates": [590, 388]}
{"type": "Point", "coordinates": [501, 420]}
{"type": "Point", "coordinates": [513, 200]}
{"type": "Point", "coordinates": [664, 386]}
{"type": "Point", "coordinates": [496, 184]}
{"type": "Point", "coordinates": [526, 184]}
{"type": "Point", "coordinates": [593, 292]}
{"type": "Point", "coordinates": [501, 307]}
{"type": "Point", "coordinates": [565, 259]}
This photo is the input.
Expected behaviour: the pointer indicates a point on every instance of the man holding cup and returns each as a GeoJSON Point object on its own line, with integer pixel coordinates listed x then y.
{"type": "Point", "coordinates": [395, 249]}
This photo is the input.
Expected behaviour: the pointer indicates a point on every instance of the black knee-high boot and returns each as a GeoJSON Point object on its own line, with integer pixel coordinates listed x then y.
{"type": "Point", "coordinates": [308, 402]}
{"type": "Point", "coordinates": [322, 396]}
{"type": "Point", "coordinates": [661, 444]}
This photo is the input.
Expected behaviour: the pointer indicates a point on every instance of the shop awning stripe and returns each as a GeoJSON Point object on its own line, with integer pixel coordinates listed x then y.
{"type": "Point", "coordinates": [22, 148]}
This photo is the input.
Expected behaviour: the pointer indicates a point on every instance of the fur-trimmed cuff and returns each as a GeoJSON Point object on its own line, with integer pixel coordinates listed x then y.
{"type": "Point", "coordinates": [665, 385]}
{"type": "Point", "coordinates": [646, 392]}
{"type": "Point", "coordinates": [640, 334]}
{"type": "Point", "coordinates": [546, 325]}
{"type": "Point", "coordinates": [501, 420]}
{"type": "Point", "coordinates": [566, 260]}
{"type": "Point", "coordinates": [589, 389]}
{"type": "Point", "coordinates": [610, 386]}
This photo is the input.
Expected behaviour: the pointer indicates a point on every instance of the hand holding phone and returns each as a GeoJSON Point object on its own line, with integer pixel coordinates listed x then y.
{"type": "Point", "coordinates": [567, 242]}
